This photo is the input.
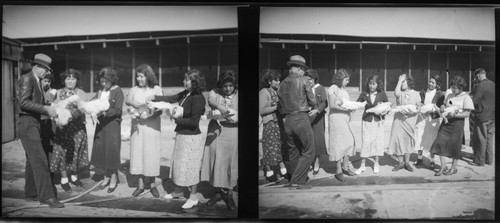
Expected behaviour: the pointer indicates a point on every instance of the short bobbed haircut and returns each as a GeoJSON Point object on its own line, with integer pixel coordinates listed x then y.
{"type": "Point", "coordinates": [340, 76]}
{"type": "Point", "coordinates": [375, 78]}
{"type": "Point", "coordinates": [151, 80]}
{"type": "Point", "coordinates": [70, 73]}
{"type": "Point", "coordinates": [198, 84]}
{"type": "Point", "coordinates": [109, 74]}
{"type": "Point", "coordinates": [458, 81]}
{"type": "Point", "coordinates": [269, 75]}
{"type": "Point", "coordinates": [312, 74]}
{"type": "Point", "coordinates": [227, 76]}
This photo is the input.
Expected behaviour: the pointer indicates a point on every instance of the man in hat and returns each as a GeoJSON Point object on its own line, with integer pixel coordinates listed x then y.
{"type": "Point", "coordinates": [295, 99]}
{"type": "Point", "coordinates": [484, 119]}
{"type": "Point", "coordinates": [30, 107]}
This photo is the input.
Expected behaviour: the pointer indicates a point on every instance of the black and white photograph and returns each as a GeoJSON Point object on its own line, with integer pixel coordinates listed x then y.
{"type": "Point", "coordinates": [377, 113]}
{"type": "Point", "coordinates": [119, 111]}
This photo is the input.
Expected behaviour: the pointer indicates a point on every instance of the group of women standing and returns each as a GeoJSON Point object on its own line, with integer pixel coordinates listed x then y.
{"type": "Point", "coordinates": [411, 131]}
{"type": "Point", "coordinates": [194, 158]}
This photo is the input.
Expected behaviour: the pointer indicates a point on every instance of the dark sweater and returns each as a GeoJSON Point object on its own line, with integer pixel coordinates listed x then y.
{"type": "Point", "coordinates": [380, 97]}
{"type": "Point", "coordinates": [194, 108]}
{"type": "Point", "coordinates": [484, 101]}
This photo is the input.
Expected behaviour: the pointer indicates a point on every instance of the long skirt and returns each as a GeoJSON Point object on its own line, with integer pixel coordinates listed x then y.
{"type": "Point", "coordinates": [186, 159]}
{"type": "Point", "coordinates": [318, 127]}
{"type": "Point", "coordinates": [145, 145]}
{"type": "Point", "coordinates": [449, 139]}
{"type": "Point", "coordinates": [373, 139]}
{"type": "Point", "coordinates": [402, 139]}
{"type": "Point", "coordinates": [271, 144]}
{"type": "Point", "coordinates": [427, 131]}
{"type": "Point", "coordinates": [107, 145]}
{"type": "Point", "coordinates": [341, 138]}
{"type": "Point", "coordinates": [70, 150]}
{"type": "Point", "coordinates": [224, 158]}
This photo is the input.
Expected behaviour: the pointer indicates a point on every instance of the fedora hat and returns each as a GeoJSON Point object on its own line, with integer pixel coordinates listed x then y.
{"type": "Point", "coordinates": [297, 60]}
{"type": "Point", "coordinates": [43, 60]}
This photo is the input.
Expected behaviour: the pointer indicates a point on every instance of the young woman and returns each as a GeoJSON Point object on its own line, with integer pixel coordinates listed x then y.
{"type": "Point", "coordinates": [341, 138]}
{"type": "Point", "coordinates": [70, 152]}
{"type": "Point", "coordinates": [318, 117]}
{"type": "Point", "coordinates": [448, 142]}
{"type": "Point", "coordinates": [271, 139]}
{"type": "Point", "coordinates": [107, 138]}
{"type": "Point", "coordinates": [372, 126]}
{"type": "Point", "coordinates": [188, 148]}
{"type": "Point", "coordinates": [402, 141]}
{"type": "Point", "coordinates": [224, 149]}
{"type": "Point", "coordinates": [145, 138]}
{"type": "Point", "coordinates": [428, 124]}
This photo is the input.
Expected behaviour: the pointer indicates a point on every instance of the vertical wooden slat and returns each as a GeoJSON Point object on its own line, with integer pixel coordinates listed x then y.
{"type": "Point", "coordinates": [133, 66]}
{"type": "Point", "coordinates": [160, 75]}
{"type": "Point", "coordinates": [218, 61]}
{"type": "Point", "coordinates": [385, 70]}
{"type": "Point", "coordinates": [360, 70]}
{"type": "Point", "coordinates": [92, 71]}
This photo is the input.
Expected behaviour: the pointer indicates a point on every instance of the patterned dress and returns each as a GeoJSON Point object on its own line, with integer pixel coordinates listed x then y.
{"type": "Point", "coordinates": [271, 140]}
{"type": "Point", "coordinates": [70, 151]}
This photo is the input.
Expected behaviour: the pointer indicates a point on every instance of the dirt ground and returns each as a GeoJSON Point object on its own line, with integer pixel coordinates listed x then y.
{"type": "Point", "coordinates": [121, 203]}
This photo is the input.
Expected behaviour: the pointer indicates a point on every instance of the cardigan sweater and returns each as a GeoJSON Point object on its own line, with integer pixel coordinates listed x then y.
{"type": "Point", "coordinates": [194, 107]}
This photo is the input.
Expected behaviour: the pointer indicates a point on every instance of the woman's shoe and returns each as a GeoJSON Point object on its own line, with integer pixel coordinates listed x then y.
{"type": "Point", "coordinates": [189, 204]}
{"type": "Point", "coordinates": [154, 192]}
{"type": "Point", "coordinates": [451, 171]}
{"type": "Point", "coordinates": [283, 171]}
{"type": "Point", "coordinates": [408, 167]}
{"type": "Point", "coordinates": [432, 165]}
{"type": "Point", "coordinates": [315, 172]}
{"type": "Point", "coordinates": [77, 182]}
{"type": "Point", "coordinates": [376, 168]}
{"type": "Point", "coordinates": [112, 189]}
{"type": "Point", "coordinates": [348, 172]}
{"type": "Point", "coordinates": [360, 170]}
{"type": "Point", "coordinates": [137, 191]}
{"type": "Point", "coordinates": [228, 199]}
{"type": "Point", "coordinates": [66, 187]}
{"type": "Point", "coordinates": [339, 177]}
{"type": "Point", "coordinates": [217, 197]}
{"type": "Point", "coordinates": [441, 171]}
{"type": "Point", "coordinates": [398, 167]}
{"type": "Point", "coordinates": [419, 162]}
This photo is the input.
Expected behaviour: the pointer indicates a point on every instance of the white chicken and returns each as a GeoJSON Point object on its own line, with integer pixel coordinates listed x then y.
{"type": "Point", "coordinates": [215, 114]}
{"type": "Point", "coordinates": [447, 111]}
{"type": "Point", "coordinates": [63, 113]}
{"type": "Point", "coordinates": [380, 108]}
{"type": "Point", "coordinates": [94, 107]}
{"type": "Point", "coordinates": [428, 108]}
{"type": "Point", "coordinates": [352, 105]}
{"type": "Point", "coordinates": [174, 111]}
{"type": "Point", "coordinates": [408, 109]}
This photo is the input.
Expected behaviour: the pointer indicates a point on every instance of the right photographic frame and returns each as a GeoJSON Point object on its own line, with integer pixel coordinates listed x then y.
{"type": "Point", "coordinates": [377, 113]}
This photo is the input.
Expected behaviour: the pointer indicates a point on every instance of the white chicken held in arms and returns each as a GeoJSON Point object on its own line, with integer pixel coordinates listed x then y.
{"type": "Point", "coordinates": [94, 107]}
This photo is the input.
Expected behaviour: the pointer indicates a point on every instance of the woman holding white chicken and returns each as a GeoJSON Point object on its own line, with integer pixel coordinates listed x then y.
{"type": "Point", "coordinates": [402, 139]}
{"type": "Point", "coordinates": [107, 138]}
{"type": "Point", "coordinates": [221, 156]}
{"type": "Point", "coordinates": [145, 136]}
{"type": "Point", "coordinates": [188, 148]}
{"type": "Point", "coordinates": [341, 140]}
{"type": "Point", "coordinates": [449, 139]}
{"type": "Point", "coordinates": [428, 123]}
{"type": "Point", "coordinates": [70, 152]}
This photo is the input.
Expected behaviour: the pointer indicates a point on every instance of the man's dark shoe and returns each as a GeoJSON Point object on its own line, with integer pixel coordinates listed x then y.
{"type": "Point", "coordinates": [53, 203]}
{"type": "Point", "coordinates": [31, 198]}
{"type": "Point", "coordinates": [420, 162]}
